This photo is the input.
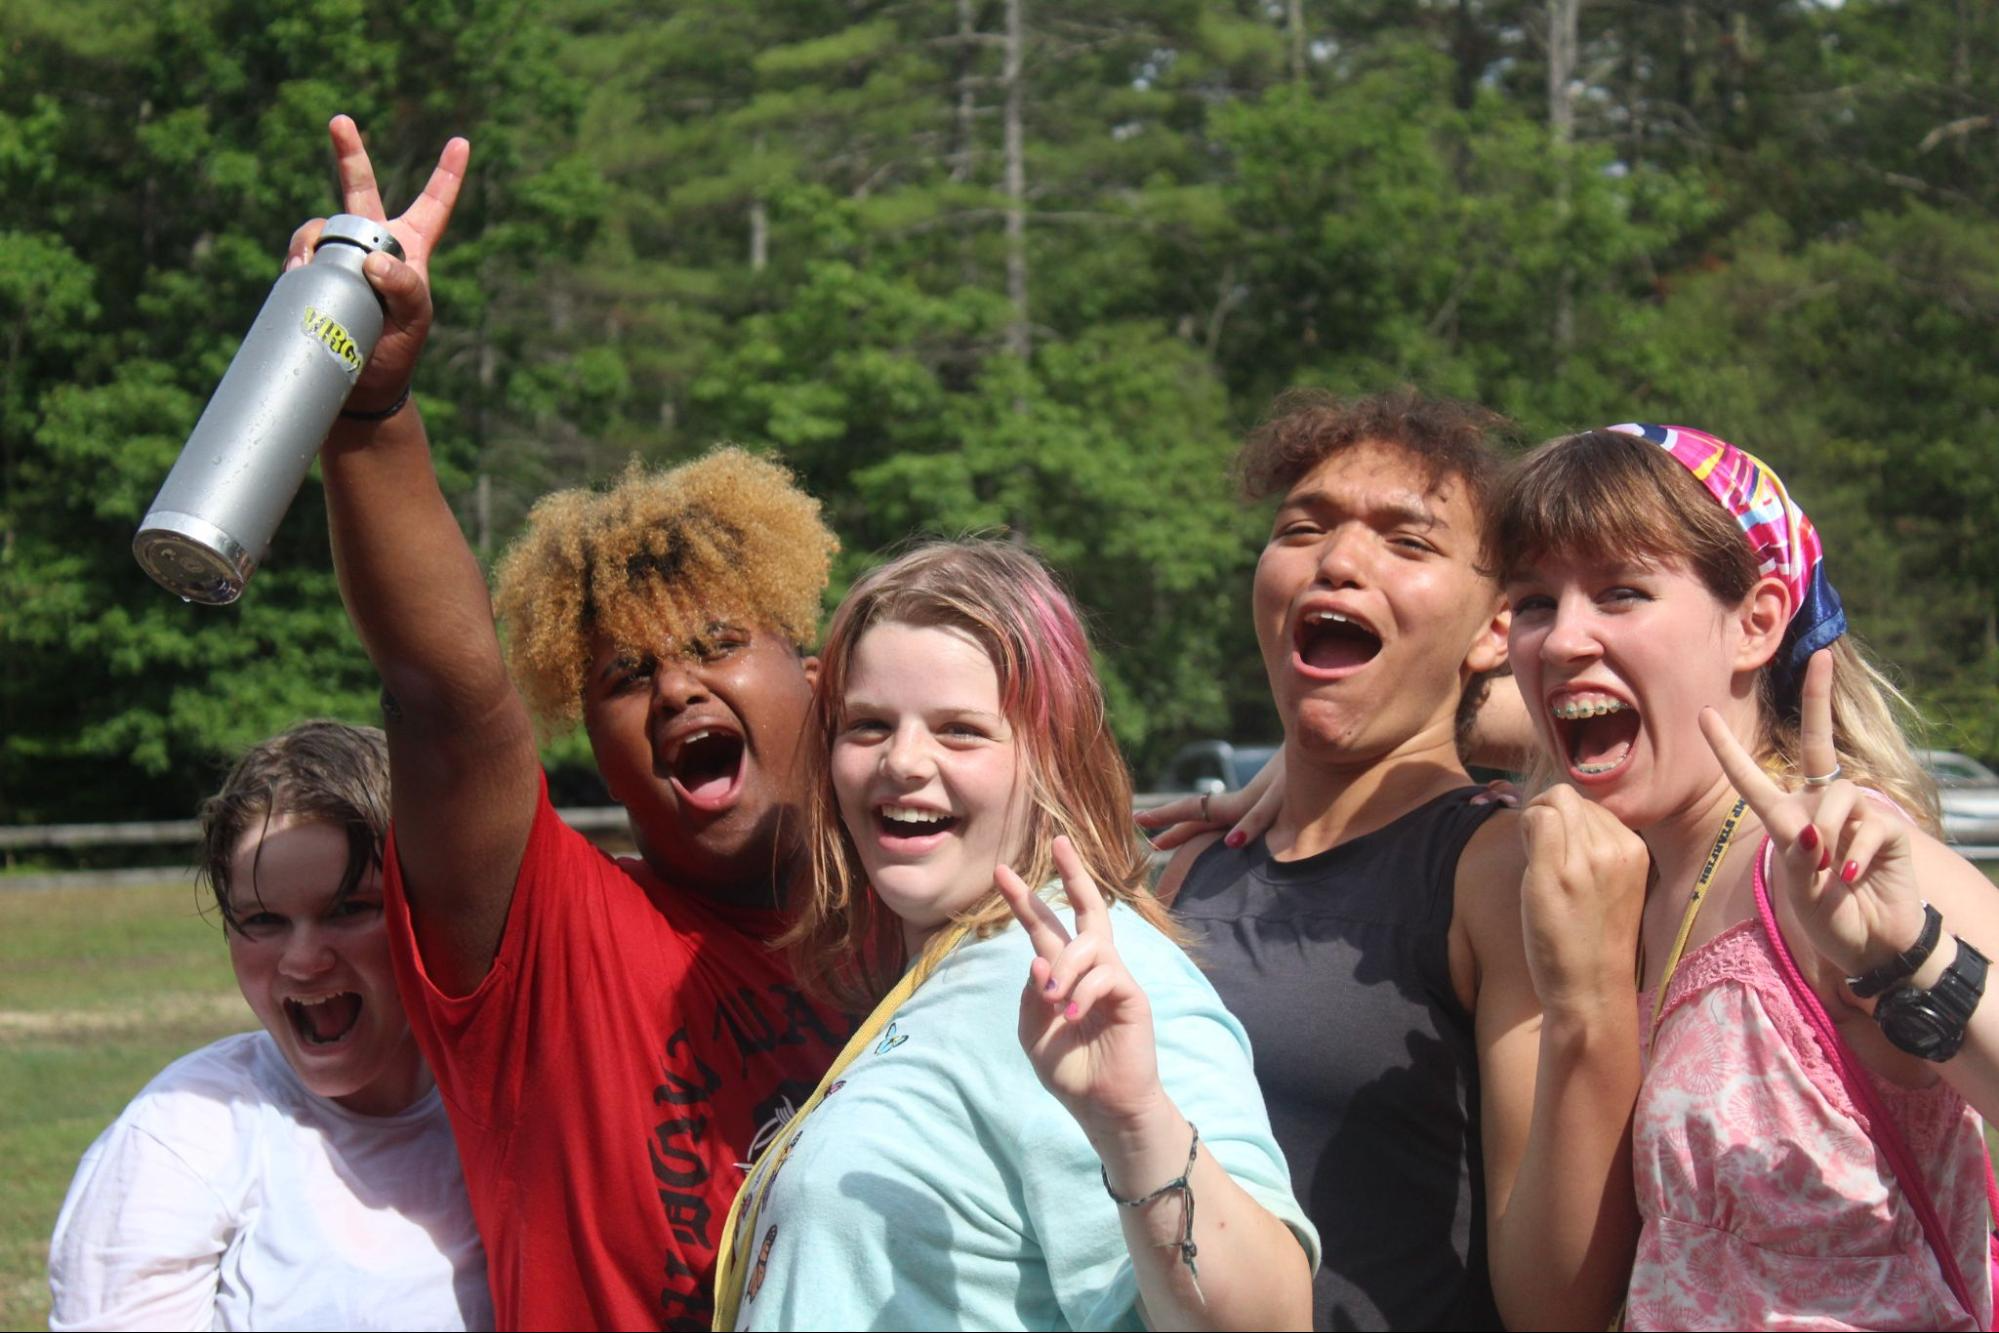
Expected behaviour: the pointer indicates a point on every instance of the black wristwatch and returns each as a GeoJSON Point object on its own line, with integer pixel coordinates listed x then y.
{"type": "Point", "coordinates": [1930, 1023]}
{"type": "Point", "coordinates": [1904, 964]}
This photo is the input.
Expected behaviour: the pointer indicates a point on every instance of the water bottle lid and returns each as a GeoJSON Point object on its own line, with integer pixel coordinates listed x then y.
{"type": "Point", "coordinates": [190, 556]}
{"type": "Point", "coordinates": [351, 229]}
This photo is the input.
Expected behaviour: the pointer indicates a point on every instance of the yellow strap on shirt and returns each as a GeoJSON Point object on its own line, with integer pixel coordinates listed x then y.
{"type": "Point", "coordinates": [1714, 858]}
{"type": "Point", "coordinates": [748, 1207]}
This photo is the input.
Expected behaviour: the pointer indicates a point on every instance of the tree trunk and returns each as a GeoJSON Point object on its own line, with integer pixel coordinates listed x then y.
{"type": "Point", "coordinates": [968, 109]}
{"type": "Point", "coordinates": [1019, 334]}
{"type": "Point", "coordinates": [1960, 56]}
{"type": "Point", "coordinates": [1735, 69]}
{"type": "Point", "coordinates": [1019, 337]}
{"type": "Point", "coordinates": [759, 221]}
{"type": "Point", "coordinates": [1470, 56]}
{"type": "Point", "coordinates": [487, 362]}
{"type": "Point", "coordinates": [1294, 16]}
{"type": "Point", "coordinates": [1689, 53]}
{"type": "Point", "coordinates": [1562, 26]}
{"type": "Point", "coordinates": [483, 504]}
{"type": "Point", "coordinates": [1633, 93]}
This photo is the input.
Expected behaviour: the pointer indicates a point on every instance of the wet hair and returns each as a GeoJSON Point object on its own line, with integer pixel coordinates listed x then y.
{"type": "Point", "coordinates": [1305, 427]}
{"type": "Point", "coordinates": [316, 772]}
{"type": "Point", "coordinates": [846, 946]}
{"type": "Point", "coordinates": [655, 561]}
{"type": "Point", "coordinates": [1605, 496]}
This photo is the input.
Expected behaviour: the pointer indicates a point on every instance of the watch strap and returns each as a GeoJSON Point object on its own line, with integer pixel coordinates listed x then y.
{"type": "Point", "coordinates": [1904, 964]}
{"type": "Point", "coordinates": [1940, 1013]}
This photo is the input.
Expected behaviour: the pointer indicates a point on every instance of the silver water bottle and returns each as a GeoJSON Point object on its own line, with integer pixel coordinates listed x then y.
{"type": "Point", "coordinates": [215, 514]}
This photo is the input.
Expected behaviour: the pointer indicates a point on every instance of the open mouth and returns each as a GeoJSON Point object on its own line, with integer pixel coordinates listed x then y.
{"type": "Point", "coordinates": [707, 767]}
{"type": "Point", "coordinates": [1597, 732]}
{"type": "Point", "coordinates": [1331, 643]}
{"type": "Point", "coordinates": [325, 1020]}
{"type": "Point", "coordinates": [905, 824]}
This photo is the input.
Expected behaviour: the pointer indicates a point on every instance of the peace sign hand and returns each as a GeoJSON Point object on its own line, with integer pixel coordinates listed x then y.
{"type": "Point", "coordinates": [1844, 862]}
{"type": "Point", "coordinates": [1084, 1023]}
{"type": "Point", "coordinates": [404, 285]}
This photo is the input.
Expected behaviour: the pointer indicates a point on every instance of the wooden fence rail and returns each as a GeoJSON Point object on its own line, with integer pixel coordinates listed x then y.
{"type": "Point", "coordinates": [596, 822]}
{"type": "Point", "coordinates": [599, 823]}
{"type": "Point", "coordinates": [183, 832]}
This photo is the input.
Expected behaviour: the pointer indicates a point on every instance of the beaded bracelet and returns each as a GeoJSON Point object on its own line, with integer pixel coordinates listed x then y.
{"type": "Point", "coordinates": [1183, 1184]}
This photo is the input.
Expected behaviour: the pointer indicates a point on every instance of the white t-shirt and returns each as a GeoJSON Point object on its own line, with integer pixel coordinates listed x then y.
{"type": "Point", "coordinates": [228, 1196]}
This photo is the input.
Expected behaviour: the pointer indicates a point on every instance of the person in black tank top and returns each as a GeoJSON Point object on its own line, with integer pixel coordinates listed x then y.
{"type": "Point", "coordinates": [1353, 941]}
{"type": "Point", "coordinates": [1371, 942]}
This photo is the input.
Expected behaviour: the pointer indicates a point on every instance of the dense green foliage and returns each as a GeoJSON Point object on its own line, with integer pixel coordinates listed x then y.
{"type": "Point", "coordinates": [801, 227]}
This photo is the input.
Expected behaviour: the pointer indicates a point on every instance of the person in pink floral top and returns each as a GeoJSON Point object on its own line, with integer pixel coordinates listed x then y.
{"type": "Point", "coordinates": [1686, 663]}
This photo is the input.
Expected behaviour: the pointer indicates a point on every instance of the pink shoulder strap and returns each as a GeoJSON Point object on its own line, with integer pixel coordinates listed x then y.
{"type": "Point", "coordinates": [1874, 1115]}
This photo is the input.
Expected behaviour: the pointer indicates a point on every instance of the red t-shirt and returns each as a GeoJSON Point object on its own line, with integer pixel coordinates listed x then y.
{"type": "Point", "coordinates": [608, 1080]}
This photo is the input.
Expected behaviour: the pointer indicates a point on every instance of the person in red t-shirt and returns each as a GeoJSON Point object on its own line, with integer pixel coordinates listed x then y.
{"type": "Point", "coordinates": [612, 1038]}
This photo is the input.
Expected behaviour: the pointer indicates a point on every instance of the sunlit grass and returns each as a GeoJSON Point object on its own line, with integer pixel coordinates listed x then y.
{"type": "Point", "coordinates": [100, 988]}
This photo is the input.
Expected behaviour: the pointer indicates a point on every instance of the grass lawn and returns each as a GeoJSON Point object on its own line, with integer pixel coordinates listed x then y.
{"type": "Point", "coordinates": [100, 988]}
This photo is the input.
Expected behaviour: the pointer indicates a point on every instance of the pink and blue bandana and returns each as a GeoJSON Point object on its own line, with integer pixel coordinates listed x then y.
{"type": "Point", "coordinates": [1784, 540]}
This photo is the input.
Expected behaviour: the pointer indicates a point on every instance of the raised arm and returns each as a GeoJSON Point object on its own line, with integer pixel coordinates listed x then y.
{"type": "Point", "coordinates": [1087, 1028]}
{"type": "Point", "coordinates": [462, 762]}
{"type": "Point", "coordinates": [1851, 878]}
{"type": "Point", "coordinates": [1554, 928]}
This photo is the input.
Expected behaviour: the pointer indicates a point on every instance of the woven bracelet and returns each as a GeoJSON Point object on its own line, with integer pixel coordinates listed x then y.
{"type": "Point", "coordinates": [1182, 1184]}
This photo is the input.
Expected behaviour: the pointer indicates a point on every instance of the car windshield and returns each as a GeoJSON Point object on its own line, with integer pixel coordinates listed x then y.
{"type": "Point", "coordinates": [1249, 761]}
{"type": "Point", "coordinates": [1956, 770]}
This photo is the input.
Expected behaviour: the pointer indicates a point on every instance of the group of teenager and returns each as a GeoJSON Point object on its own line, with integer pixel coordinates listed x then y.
{"type": "Point", "coordinates": [883, 1026]}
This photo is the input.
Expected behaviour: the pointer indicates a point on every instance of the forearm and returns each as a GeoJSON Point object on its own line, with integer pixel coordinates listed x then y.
{"type": "Point", "coordinates": [1963, 898]}
{"type": "Point", "coordinates": [1252, 1271]}
{"type": "Point", "coordinates": [1560, 1249]}
{"type": "Point", "coordinates": [463, 766]}
{"type": "Point", "coordinates": [413, 590]}
{"type": "Point", "coordinates": [1974, 1070]}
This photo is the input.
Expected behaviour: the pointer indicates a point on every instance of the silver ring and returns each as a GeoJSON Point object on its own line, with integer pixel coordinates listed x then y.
{"type": "Point", "coordinates": [1824, 779]}
{"type": "Point", "coordinates": [1204, 806]}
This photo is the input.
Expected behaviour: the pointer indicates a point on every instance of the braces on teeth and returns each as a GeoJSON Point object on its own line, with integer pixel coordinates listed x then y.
{"type": "Point", "coordinates": [1572, 710]}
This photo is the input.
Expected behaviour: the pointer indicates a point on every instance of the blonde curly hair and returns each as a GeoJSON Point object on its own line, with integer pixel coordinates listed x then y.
{"type": "Point", "coordinates": [654, 561]}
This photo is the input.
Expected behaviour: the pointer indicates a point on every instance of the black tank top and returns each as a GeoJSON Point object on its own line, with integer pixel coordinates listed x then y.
{"type": "Point", "coordinates": [1338, 966]}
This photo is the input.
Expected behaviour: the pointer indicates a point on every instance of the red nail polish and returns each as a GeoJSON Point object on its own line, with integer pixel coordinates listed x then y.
{"type": "Point", "coordinates": [1233, 841]}
{"type": "Point", "coordinates": [1825, 858]}
{"type": "Point", "coordinates": [1071, 1012]}
{"type": "Point", "coordinates": [1809, 839]}
{"type": "Point", "coordinates": [1850, 871]}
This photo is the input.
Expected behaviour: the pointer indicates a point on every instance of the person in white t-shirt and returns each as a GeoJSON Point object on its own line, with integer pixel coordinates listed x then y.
{"type": "Point", "coordinates": [302, 1176]}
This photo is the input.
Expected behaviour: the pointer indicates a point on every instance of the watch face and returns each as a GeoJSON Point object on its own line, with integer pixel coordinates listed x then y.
{"type": "Point", "coordinates": [1913, 1023]}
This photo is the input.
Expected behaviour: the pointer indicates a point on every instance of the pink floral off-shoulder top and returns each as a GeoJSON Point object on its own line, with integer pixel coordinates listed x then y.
{"type": "Point", "coordinates": [1764, 1202]}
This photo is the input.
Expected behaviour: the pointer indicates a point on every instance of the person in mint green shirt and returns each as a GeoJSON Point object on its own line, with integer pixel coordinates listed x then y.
{"type": "Point", "coordinates": [1049, 1120]}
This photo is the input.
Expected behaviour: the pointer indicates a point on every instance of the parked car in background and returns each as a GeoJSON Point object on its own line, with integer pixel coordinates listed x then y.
{"type": "Point", "coordinates": [1209, 767]}
{"type": "Point", "coordinates": [1969, 792]}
